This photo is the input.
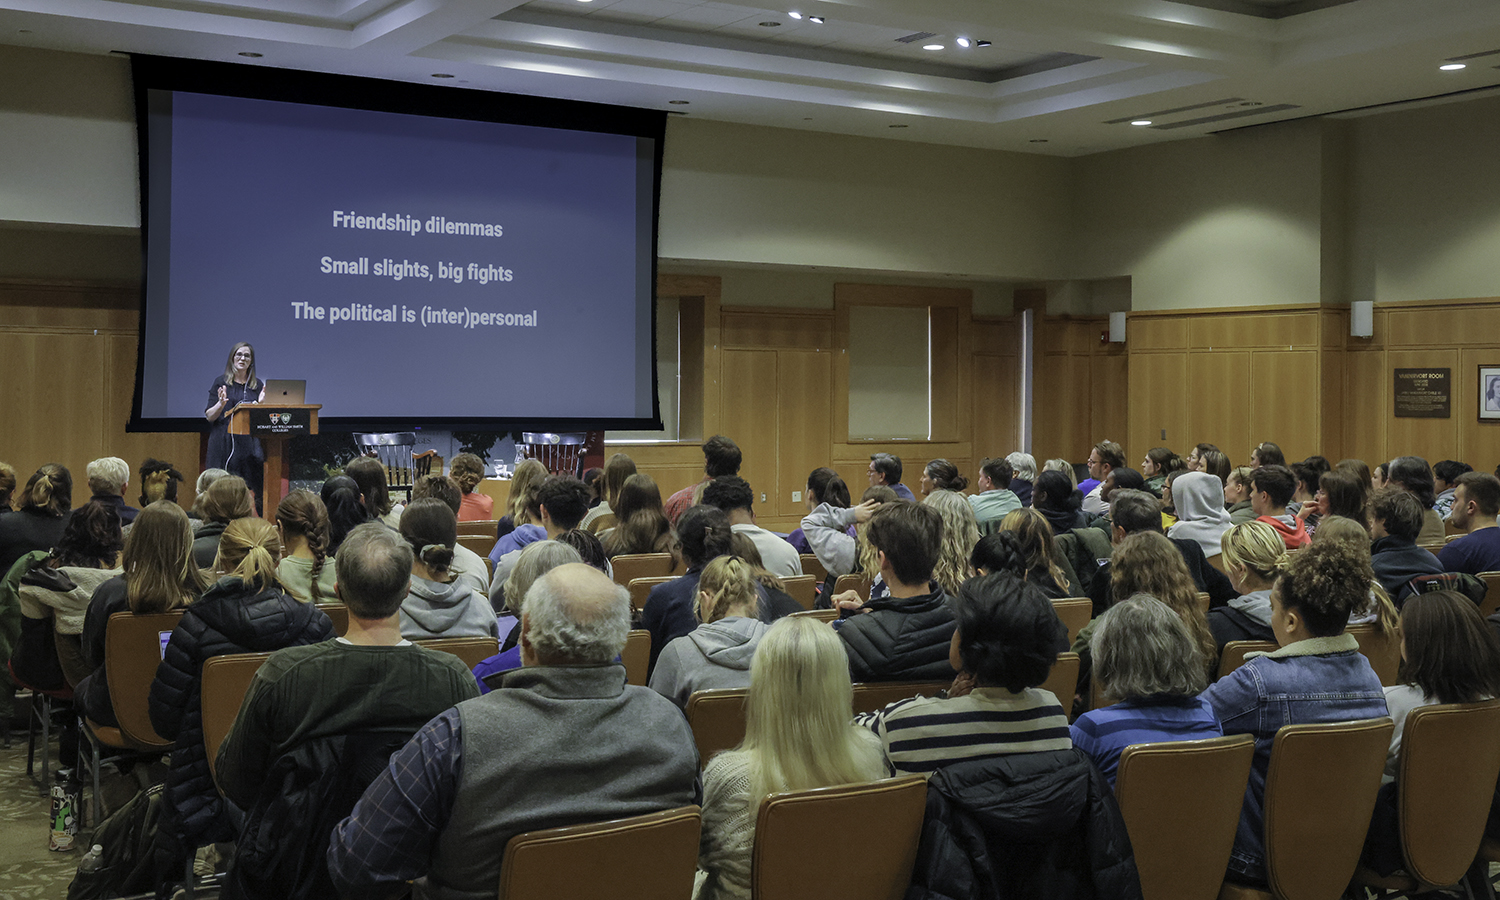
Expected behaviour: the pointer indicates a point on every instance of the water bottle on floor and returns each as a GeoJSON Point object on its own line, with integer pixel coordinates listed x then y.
{"type": "Point", "coordinates": [64, 818]}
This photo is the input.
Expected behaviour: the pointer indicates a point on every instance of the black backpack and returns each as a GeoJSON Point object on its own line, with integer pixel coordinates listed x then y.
{"type": "Point", "coordinates": [133, 861]}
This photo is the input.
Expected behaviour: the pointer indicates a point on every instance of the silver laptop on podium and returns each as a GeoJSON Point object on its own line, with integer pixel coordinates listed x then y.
{"type": "Point", "coordinates": [288, 391]}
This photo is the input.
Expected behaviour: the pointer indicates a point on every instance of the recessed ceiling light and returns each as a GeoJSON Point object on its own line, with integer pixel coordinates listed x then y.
{"type": "Point", "coordinates": [932, 46]}
{"type": "Point", "coordinates": [981, 43]}
{"type": "Point", "coordinates": [249, 54]}
{"type": "Point", "coordinates": [769, 24]}
{"type": "Point", "coordinates": [816, 20]}
{"type": "Point", "coordinates": [679, 102]}
{"type": "Point", "coordinates": [962, 42]}
{"type": "Point", "coordinates": [1451, 67]}
{"type": "Point", "coordinates": [441, 75]}
{"type": "Point", "coordinates": [1141, 122]}
{"type": "Point", "coordinates": [795, 15]}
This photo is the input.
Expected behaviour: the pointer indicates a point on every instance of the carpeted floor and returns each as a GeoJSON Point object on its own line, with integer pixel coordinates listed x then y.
{"type": "Point", "coordinates": [27, 868]}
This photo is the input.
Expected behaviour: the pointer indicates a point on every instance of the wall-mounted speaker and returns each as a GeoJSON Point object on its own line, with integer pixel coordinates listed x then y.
{"type": "Point", "coordinates": [1117, 328]}
{"type": "Point", "coordinates": [1362, 318]}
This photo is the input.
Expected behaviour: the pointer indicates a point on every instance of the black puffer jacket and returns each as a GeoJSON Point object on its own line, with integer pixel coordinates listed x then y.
{"type": "Point", "coordinates": [232, 617]}
{"type": "Point", "coordinates": [900, 640]}
{"type": "Point", "coordinates": [1021, 826]}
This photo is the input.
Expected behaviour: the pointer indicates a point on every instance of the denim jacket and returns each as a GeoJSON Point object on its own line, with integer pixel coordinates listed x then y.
{"type": "Point", "coordinates": [1322, 679]}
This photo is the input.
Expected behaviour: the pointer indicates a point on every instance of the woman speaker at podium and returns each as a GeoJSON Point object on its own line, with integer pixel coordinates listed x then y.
{"type": "Point", "coordinates": [238, 454]}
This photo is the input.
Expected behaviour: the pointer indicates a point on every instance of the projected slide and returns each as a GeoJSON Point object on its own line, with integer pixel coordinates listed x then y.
{"type": "Point", "coordinates": [406, 266]}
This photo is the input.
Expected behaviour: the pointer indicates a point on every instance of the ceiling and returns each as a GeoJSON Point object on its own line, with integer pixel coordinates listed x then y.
{"type": "Point", "coordinates": [1062, 77]}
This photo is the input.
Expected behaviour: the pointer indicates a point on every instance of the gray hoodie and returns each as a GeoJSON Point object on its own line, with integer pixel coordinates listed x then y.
{"type": "Point", "coordinates": [433, 609]}
{"type": "Point", "coordinates": [712, 656]}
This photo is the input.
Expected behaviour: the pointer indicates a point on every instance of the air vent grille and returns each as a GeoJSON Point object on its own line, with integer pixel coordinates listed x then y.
{"type": "Point", "coordinates": [919, 36]}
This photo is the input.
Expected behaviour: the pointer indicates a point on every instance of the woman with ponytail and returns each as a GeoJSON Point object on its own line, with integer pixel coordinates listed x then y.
{"type": "Point", "coordinates": [306, 567]}
{"type": "Point", "coordinates": [160, 576]}
{"type": "Point", "coordinates": [718, 652]}
{"type": "Point", "coordinates": [345, 507]}
{"type": "Point", "coordinates": [468, 470]}
{"type": "Point", "coordinates": [40, 518]}
{"type": "Point", "coordinates": [245, 611]}
{"type": "Point", "coordinates": [439, 605]}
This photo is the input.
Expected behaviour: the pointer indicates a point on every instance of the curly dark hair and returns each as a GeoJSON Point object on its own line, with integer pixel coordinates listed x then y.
{"type": "Point", "coordinates": [1008, 632]}
{"type": "Point", "coordinates": [92, 538]}
{"type": "Point", "coordinates": [1324, 582]}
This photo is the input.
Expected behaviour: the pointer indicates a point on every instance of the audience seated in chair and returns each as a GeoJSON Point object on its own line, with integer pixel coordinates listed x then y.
{"type": "Point", "coordinates": [717, 653]}
{"type": "Point", "coordinates": [521, 510]}
{"type": "Point", "coordinates": [1253, 554]}
{"type": "Point", "coordinates": [1201, 517]}
{"type": "Point", "coordinates": [41, 518]}
{"type": "Point", "coordinates": [619, 468]}
{"type": "Point", "coordinates": [903, 636]}
{"type": "Point", "coordinates": [1105, 457]}
{"type": "Point", "coordinates": [1023, 476]}
{"type": "Point", "coordinates": [320, 721]}
{"type": "Point", "coordinates": [1395, 522]}
{"type": "Point", "coordinates": [108, 479]}
{"type": "Point", "coordinates": [1445, 475]}
{"type": "Point", "coordinates": [1317, 675]}
{"type": "Point", "coordinates": [721, 456]}
{"type": "Point", "coordinates": [1145, 659]}
{"type": "Point", "coordinates": [1046, 568]}
{"type": "Point", "coordinates": [885, 471]}
{"type": "Point", "coordinates": [1271, 489]}
{"type": "Point", "coordinates": [941, 475]}
{"type": "Point", "coordinates": [1133, 511]}
{"type": "Point", "coordinates": [565, 743]}
{"type": "Point", "coordinates": [1237, 489]}
{"type": "Point", "coordinates": [823, 486]}
{"type": "Point", "coordinates": [54, 598]}
{"type": "Point", "coordinates": [246, 611]}
{"type": "Point", "coordinates": [733, 495]}
{"type": "Point", "coordinates": [561, 503]}
{"type": "Point", "coordinates": [536, 560]}
{"type": "Point", "coordinates": [159, 576]}
{"type": "Point", "coordinates": [369, 473]}
{"type": "Point", "coordinates": [346, 509]}
{"type": "Point", "coordinates": [640, 524]}
{"type": "Point", "coordinates": [1412, 474]}
{"type": "Point", "coordinates": [1448, 655]}
{"type": "Point", "coordinates": [1057, 499]}
{"type": "Point", "coordinates": [1006, 640]}
{"type": "Point", "coordinates": [467, 564]}
{"type": "Point", "coordinates": [703, 534]}
{"type": "Point", "coordinates": [467, 471]}
{"type": "Point", "coordinates": [227, 500]}
{"type": "Point", "coordinates": [797, 736]}
{"type": "Point", "coordinates": [830, 529]}
{"type": "Point", "coordinates": [959, 536]}
{"type": "Point", "coordinates": [440, 603]}
{"type": "Point", "coordinates": [306, 567]}
{"type": "Point", "coordinates": [1476, 502]}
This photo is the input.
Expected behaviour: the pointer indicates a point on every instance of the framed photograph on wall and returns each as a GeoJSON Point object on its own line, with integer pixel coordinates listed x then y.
{"type": "Point", "coordinates": [1489, 393]}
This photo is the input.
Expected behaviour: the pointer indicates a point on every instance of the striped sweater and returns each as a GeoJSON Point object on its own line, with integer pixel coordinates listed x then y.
{"type": "Point", "coordinates": [924, 734]}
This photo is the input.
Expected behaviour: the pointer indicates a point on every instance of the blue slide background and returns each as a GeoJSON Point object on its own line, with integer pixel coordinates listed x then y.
{"type": "Point", "coordinates": [254, 185]}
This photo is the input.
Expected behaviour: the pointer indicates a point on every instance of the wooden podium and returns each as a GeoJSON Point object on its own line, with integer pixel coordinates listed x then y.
{"type": "Point", "coordinates": [274, 424]}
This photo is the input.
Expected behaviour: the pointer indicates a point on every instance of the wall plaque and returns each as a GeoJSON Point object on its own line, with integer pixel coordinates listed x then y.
{"type": "Point", "coordinates": [1423, 393]}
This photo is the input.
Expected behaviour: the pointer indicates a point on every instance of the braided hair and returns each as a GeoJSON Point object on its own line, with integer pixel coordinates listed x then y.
{"type": "Point", "coordinates": [302, 514]}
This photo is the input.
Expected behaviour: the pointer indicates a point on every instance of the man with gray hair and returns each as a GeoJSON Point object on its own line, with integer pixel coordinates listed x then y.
{"type": "Point", "coordinates": [306, 701]}
{"type": "Point", "coordinates": [108, 478]}
{"type": "Point", "coordinates": [1023, 475]}
{"type": "Point", "coordinates": [565, 741]}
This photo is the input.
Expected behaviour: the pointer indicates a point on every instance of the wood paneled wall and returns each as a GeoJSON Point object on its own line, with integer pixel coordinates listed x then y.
{"type": "Point", "coordinates": [67, 370]}
{"type": "Point", "coordinates": [1077, 397]}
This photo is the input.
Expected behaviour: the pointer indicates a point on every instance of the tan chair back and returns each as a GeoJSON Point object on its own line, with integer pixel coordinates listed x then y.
{"type": "Point", "coordinates": [1204, 601]}
{"type": "Point", "coordinates": [1062, 680]}
{"type": "Point", "coordinates": [717, 719]}
{"type": "Point", "coordinates": [481, 544]}
{"type": "Point", "coordinates": [132, 652]}
{"type": "Point", "coordinates": [1382, 650]}
{"type": "Point", "coordinates": [803, 589]}
{"type": "Point", "coordinates": [1075, 613]}
{"type": "Point", "coordinates": [603, 523]}
{"type": "Point", "coordinates": [1235, 651]}
{"type": "Point", "coordinates": [1491, 604]}
{"type": "Point", "coordinates": [1450, 760]}
{"type": "Point", "coordinates": [811, 566]}
{"type": "Point", "coordinates": [338, 614]}
{"type": "Point", "coordinates": [860, 584]}
{"type": "Point", "coordinates": [1217, 561]}
{"type": "Point", "coordinates": [470, 650]}
{"type": "Point", "coordinates": [226, 681]}
{"type": "Point", "coordinates": [482, 528]}
{"type": "Point", "coordinates": [1434, 549]}
{"type": "Point", "coordinates": [1320, 791]}
{"type": "Point", "coordinates": [822, 615]}
{"type": "Point", "coordinates": [630, 566]}
{"type": "Point", "coordinates": [872, 695]}
{"type": "Point", "coordinates": [640, 858]}
{"type": "Point", "coordinates": [1181, 802]}
{"type": "Point", "coordinates": [790, 860]}
{"type": "Point", "coordinates": [640, 589]}
{"type": "Point", "coordinates": [636, 656]}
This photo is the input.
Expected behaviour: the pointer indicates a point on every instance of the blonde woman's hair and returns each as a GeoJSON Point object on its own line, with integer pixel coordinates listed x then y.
{"type": "Point", "coordinates": [249, 550]}
{"type": "Point", "coordinates": [468, 470]}
{"type": "Point", "coordinates": [524, 481]}
{"type": "Point", "coordinates": [797, 715]}
{"type": "Point", "coordinates": [1063, 466]}
{"type": "Point", "coordinates": [159, 571]}
{"type": "Point", "coordinates": [1146, 562]}
{"type": "Point", "coordinates": [960, 534]}
{"type": "Point", "coordinates": [1034, 534]}
{"type": "Point", "coordinates": [729, 583]}
{"type": "Point", "coordinates": [1254, 548]}
{"type": "Point", "coordinates": [1350, 532]}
